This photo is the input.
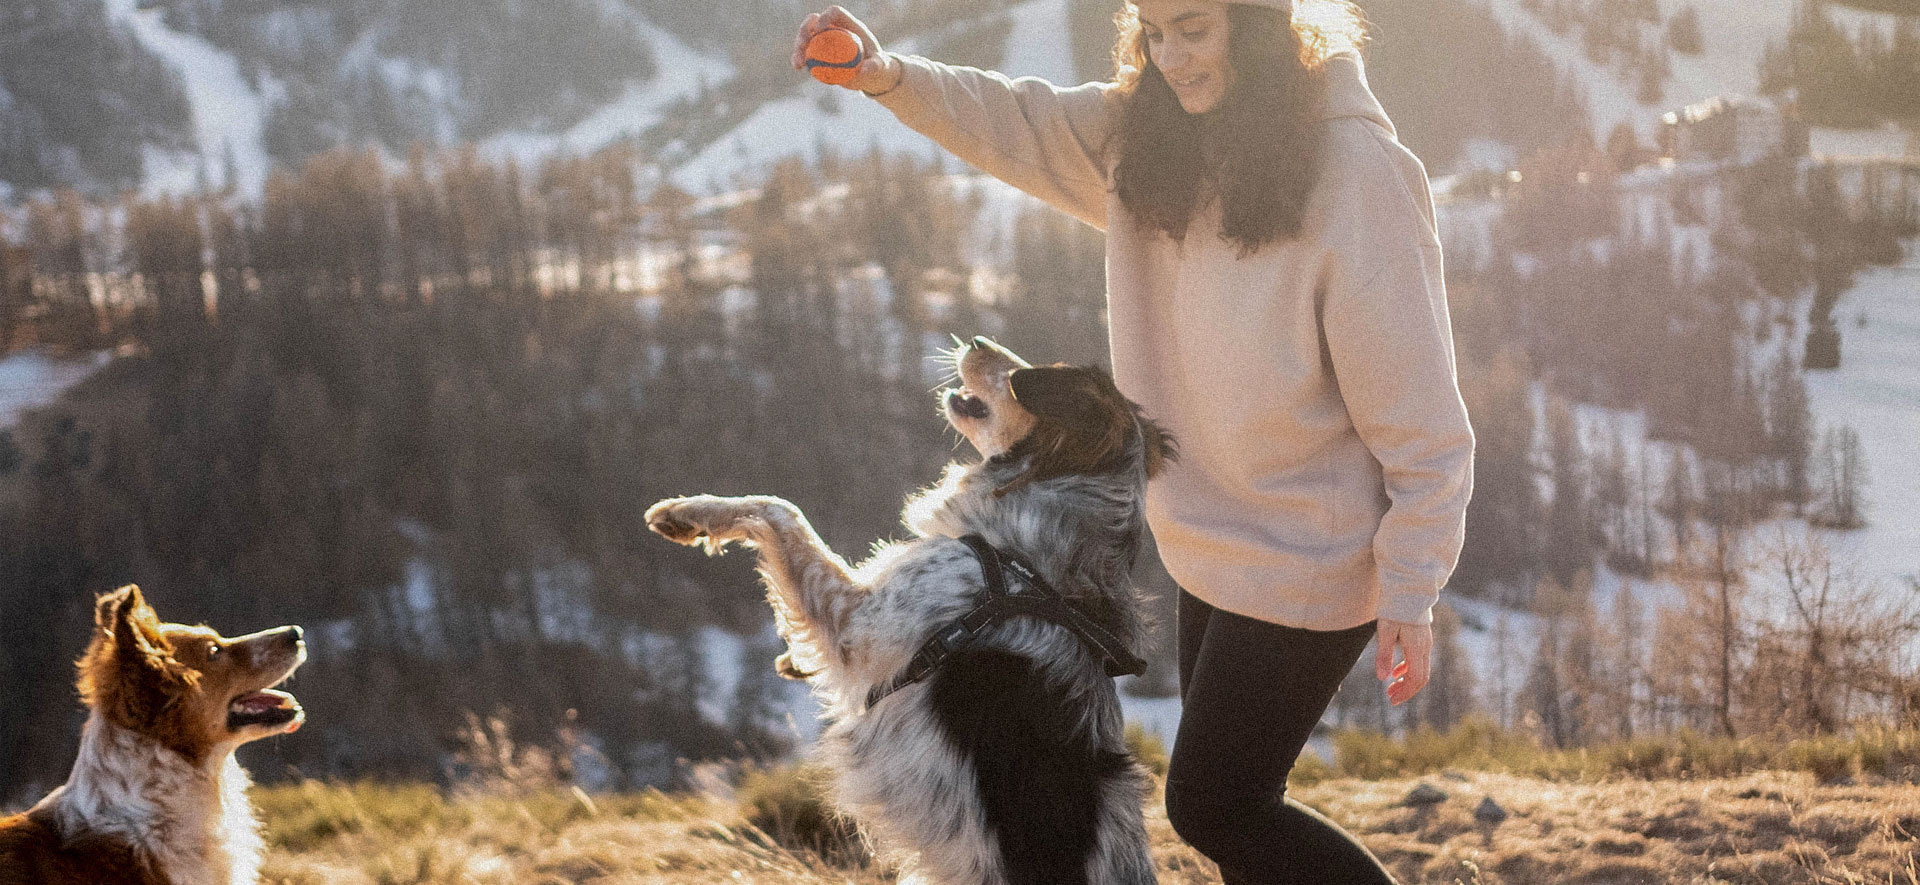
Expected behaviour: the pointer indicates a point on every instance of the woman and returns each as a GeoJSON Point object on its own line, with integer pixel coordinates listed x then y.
{"type": "Point", "coordinates": [1275, 299]}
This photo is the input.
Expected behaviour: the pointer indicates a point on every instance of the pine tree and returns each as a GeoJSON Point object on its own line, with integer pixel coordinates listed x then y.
{"type": "Point", "coordinates": [1679, 502]}
{"type": "Point", "coordinates": [1683, 32]}
{"type": "Point", "coordinates": [166, 246]}
{"type": "Point", "coordinates": [1790, 428]}
{"type": "Point", "coordinates": [1503, 652]}
{"type": "Point", "coordinates": [1056, 309]}
{"type": "Point", "coordinates": [1542, 696]}
{"type": "Point", "coordinates": [16, 282]}
{"type": "Point", "coordinates": [1897, 77]}
{"type": "Point", "coordinates": [1502, 542]}
{"type": "Point", "coordinates": [1612, 495]}
{"type": "Point", "coordinates": [1623, 147]}
{"type": "Point", "coordinates": [1581, 676]}
{"type": "Point", "coordinates": [1570, 532]}
{"type": "Point", "coordinates": [1820, 62]}
{"type": "Point", "coordinates": [1643, 506]}
{"type": "Point", "coordinates": [1840, 472]}
{"type": "Point", "coordinates": [10, 455]}
{"type": "Point", "coordinates": [1655, 69]}
{"type": "Point", "coordinates": [1628, 659]}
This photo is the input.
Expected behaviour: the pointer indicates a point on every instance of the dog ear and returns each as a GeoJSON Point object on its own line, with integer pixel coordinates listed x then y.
{"type": "Point", "coordinates": [1158, 446]}
{"type": "Point", "coordinates": [1058, 393]}
{"type": "Point", "coordinates": [128, 670]}
{"type": "Point", "coordinates": [106, 608]}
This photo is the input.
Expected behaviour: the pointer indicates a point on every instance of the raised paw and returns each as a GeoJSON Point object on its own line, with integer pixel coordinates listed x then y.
{"type": "Point", "coordinates": [691, 520]}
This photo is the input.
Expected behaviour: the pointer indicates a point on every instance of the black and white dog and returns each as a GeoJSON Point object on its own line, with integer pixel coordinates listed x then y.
{"type": "Point", "coordinates": [994, 755]}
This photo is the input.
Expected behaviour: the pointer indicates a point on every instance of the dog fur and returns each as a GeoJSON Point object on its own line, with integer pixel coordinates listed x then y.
{"type": "Point", "coordinates": [1007, 766]}
{"type": "Point", "coordinates": [156, 796]}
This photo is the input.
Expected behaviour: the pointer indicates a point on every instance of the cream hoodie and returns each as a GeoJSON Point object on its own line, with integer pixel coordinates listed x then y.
{"type": "Point", "coordinates": [1326, 459]}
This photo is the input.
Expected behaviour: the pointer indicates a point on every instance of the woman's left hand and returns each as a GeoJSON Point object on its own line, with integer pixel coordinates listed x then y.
{"type": "Point", "coordinates": [1415, 642]}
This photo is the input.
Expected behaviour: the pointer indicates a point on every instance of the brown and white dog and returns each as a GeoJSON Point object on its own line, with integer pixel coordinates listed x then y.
{"type": "Point", "coordinates": [1006, 765]}
{"type": "Point", "coordinates": [156, 796]}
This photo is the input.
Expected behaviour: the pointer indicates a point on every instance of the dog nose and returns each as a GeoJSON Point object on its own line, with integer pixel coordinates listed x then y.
{"type": "Point", "coordinates": [294, 635]}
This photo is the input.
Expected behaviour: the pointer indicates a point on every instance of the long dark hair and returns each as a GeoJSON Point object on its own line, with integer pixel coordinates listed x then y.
{"type": "Point", "coordinates": [1258, 150]}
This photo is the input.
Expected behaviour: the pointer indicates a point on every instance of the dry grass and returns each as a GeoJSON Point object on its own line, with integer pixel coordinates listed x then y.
{"type": "Point", "coordinates": [1760, 828]}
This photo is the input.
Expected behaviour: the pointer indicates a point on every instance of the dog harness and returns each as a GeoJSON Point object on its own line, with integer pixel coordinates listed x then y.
{"type": "Point", "coordinates": [1027, 594]}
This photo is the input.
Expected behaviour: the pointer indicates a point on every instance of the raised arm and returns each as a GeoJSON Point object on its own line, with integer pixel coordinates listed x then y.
{"type": "Point", "coordinates": [1043, 139]}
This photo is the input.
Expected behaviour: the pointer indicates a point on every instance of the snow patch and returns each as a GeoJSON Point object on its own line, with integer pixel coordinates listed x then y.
{"type": "Point", "coordinates": [799, 126]}
{"type": "Point", "coordinates": [1851, 144]}
{"type": "Point", "coordinates": [31, 379]}
{"type": "Point", "coordinates": [1876, 390]}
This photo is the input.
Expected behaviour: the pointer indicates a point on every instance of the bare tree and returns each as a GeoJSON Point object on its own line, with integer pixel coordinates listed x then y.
{"type": "Point", "coordinates": [1839, 647]}
{"type": "Point", "coordinates": [1698, 645]}
{"type": "Point", "coordinates": [1840, 472]}
{"type": "Point", "coordinates": [1626, 661]}
{"type": "Point", "coordinates": [1790, 427]}
{"type": "Point", "coordinates": [1679, 502]}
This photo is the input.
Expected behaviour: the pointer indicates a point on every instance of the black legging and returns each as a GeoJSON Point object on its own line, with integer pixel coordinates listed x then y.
{"type": "Point", "coordinates": [1251, 693]}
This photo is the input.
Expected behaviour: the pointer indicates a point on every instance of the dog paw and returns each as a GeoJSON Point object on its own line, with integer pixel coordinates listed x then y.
{"type": "Point", "coordinates": [785, 666]}
{"type": "Point", "coordinates": [695, 519]}
{"type": "Point", "coordinates": [664, 520]}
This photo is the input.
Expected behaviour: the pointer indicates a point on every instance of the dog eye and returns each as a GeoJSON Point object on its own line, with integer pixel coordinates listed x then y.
{"type": "Point", "coordinates": [213, 651]}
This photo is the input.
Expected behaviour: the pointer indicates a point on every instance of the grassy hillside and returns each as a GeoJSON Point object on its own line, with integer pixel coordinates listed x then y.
{"type": "Point", "coordinates": [1761, 828]}
{"type": "Point", "coordinates": [1574, 818]}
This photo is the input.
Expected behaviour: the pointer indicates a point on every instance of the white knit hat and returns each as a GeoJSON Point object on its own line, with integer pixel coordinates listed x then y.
{"type": "Point", "coordinates": [1282, 5]}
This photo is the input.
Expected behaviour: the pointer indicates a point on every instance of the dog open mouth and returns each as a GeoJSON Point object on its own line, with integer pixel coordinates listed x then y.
{"type": "Point", "coordinates": [262, 708]}
{"type": "Point", "coordinates": [966, 405]}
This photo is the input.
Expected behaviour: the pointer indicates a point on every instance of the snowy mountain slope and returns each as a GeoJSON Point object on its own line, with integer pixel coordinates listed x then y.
{"type": "Point", "coordinates": [683, 71]}
{"type": "Point", "coordinates": [813, 115]}
{"type": "Point", "coordinates": [81, 100]}
{"type": "Point", "coordinates": [799, 125]}
{"type": "Point", "coordinates": [1736, 35]}
{"type": "Point", "coordinates": [1609, 101]}
{"type": "Point", "coordinates": [229, 115]}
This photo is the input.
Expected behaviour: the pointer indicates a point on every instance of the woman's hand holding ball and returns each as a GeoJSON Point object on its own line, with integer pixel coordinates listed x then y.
{"type": "Point", "coordinates": [871, 70]}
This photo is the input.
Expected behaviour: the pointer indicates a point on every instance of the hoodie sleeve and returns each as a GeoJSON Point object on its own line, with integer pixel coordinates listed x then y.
{"type": "Point", "coordinates": [1384, 315]}
{"type": "Point", "coordinates": [1041, 138]}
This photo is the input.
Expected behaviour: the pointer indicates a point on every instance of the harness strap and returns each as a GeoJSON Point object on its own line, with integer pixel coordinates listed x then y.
{"type": "Point", "coordinates": [1029, 595]}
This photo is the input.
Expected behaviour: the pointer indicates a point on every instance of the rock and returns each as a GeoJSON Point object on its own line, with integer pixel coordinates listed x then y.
{"type": "Point", "coordinates": [1423, 795]}
{"type": "Point", "coordinates": [1487, 816]}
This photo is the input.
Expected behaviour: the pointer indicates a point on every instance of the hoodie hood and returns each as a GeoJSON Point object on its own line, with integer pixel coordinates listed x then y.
{"type": "Point", "coordinates": [1347, 92]}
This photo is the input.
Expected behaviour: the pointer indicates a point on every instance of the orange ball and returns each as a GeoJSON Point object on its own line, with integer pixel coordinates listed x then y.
{"type": "Point", "coordinates": [833, 55]}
